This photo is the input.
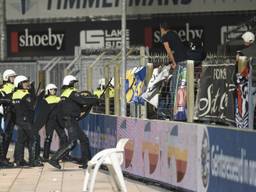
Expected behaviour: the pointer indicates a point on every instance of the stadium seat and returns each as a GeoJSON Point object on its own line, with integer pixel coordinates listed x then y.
{"type": "Point", "coordinates": [113, 159]}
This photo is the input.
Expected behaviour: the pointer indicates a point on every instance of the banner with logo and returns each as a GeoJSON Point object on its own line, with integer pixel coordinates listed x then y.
{"type": "Point", "coordinates": [160, 151]}
{"type": "Point", "coordinates": [226, 160]}
{"type": "Point", "coordinates": [47, 9]}
{"type": "Point", "coordinates": [45, 41]}
{"type": "Point", "coordinates": [56, 39]}
{"type": "Point", "coordinates": [216, 101]}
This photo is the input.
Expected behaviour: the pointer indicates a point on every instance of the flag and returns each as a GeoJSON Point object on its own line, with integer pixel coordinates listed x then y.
{"type": "Point", "coordinates": [139, 85]}
{"type": "Point", "coordinates": [152, 93]}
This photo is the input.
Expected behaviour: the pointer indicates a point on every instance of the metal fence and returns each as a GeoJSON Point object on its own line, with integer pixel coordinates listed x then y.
{"type": "Point", "coordinates": [89, 66]}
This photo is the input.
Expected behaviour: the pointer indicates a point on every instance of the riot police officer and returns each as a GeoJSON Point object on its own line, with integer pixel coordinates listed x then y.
{"type": "Point", "coordinates": [9, 117]}
{"type": "Point", "coordinates": [47, 116]}
{"type": "Point", "coordinates": [23, 100]}
{"type": "Point", "coordinates": [70, 108]}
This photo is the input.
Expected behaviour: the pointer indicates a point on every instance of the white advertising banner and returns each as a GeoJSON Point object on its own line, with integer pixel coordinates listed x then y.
{"type": "Point", "coordinates": [160, 150]}
{"type": "Point", "coordinates": [45, 9]}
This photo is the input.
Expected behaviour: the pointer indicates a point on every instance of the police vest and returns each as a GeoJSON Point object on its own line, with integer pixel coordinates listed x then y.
{"type": "Point", "coordinates": [111, 92]}
{"type": "Point", "coordinates": [51, 99]}
{"type": "Point", "coordinates": [98, 92]}
{"type": "Point", "coordinates": [8, 88]}
{"type": "Point", "coordinates": [19, 94]}
{"type": "Point", "coordinates": [67, 92]}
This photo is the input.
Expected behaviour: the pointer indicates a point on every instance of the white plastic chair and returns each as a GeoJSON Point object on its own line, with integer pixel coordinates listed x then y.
{"type": "Point", "coordinates": [113, 159]}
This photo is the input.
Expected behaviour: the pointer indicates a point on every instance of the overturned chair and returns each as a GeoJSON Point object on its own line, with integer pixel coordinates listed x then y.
{"type": "Point", "coordinates": [113, 159]}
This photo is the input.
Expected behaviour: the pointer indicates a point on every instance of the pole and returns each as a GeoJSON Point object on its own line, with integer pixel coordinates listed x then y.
{"type": "Point", "coordinates": [106, 76]}
{"type": "Point", "coordinates": [190, 90]}
{"type": "Point", "coordinates": [250, 92]}
{"type": "Point", "coordinates": [117, 89]}
{"type": "Point", "coordinates": [2, 31]}
{"type": "Point", "coordinates": [123, 68]}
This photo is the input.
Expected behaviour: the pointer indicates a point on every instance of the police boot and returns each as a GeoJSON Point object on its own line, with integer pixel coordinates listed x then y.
{"type": "Point", "coordinates": [34, 160]}
{"type": "Point", "coordinates": [47, 145]}
{"type": "Point", "coordinates": [1, 146]}
{"type": "Point", "coordinates": [37, 147]}
{"type": "Point", "coordinates": [83, 166]}
{"type": "Point", "coordinates": [85, 152]}
{"type": "Point", "coordinates": [6, 164]}
{"type": "Point", "coordinates": [3, 161]}
{"type": "Point", "coordinates": [62, 152]}
{"type": "Point", "coordinates": [54, 163]}
{"type": "Point", "coordinates": [7, 140]}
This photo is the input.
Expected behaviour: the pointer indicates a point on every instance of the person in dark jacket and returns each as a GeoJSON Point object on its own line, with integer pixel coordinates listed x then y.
{"type": "Point", "coordinates": [23, 100]}
{"type": "Point", "coordinates": [175, 49]}
{"type": "Point", "coordinates": [8, 115]}
{"type": "Point", "coordinates": [72, 105]}
{"type": "Point", "coordinates": [47, 115]}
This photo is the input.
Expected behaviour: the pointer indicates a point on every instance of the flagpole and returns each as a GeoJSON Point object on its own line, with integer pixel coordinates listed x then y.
{"type": "Point", "coordinates": [123, 67]}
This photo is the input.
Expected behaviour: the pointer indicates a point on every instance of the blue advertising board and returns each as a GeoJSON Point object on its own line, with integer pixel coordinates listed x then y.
{"type": "Point", "coordinates": [101, 131]}
{"type": "Point", "coordinates": [232, 160]}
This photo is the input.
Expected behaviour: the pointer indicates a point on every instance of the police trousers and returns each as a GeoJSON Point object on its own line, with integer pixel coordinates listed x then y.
{"type": "Point", "coordinates": [9, 127]}
{"type": "Point", "coordinates": [75, 133]}
{"type": "Point", "coordinates": [52, 125]}
{"type": "Point", "coordinates": [25, 136]}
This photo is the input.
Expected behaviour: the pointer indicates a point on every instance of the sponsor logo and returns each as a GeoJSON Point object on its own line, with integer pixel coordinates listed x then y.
{"type": "Point", "coordinates": [128, 152]}
{"type": "Point", "coordinates": [180, 155]}
{"type": "Point", "coordinates": [186, 33]}
{"type": "Point", "coordinates": [205, 159]}
{"type": "Point", "coordinates": [153, 150]}
{"type": "Point", "coordinates": [232, 32]}
{"type": "Point", "coordinates": [83, 4]}
{"type": "Point", "coordinates": [103, 38]}
{"type": "Point", "coordinates": [28, 39]}
{"type": "Point", "coordinates": [224, 164]}
{"type": "Point", "coordinates": [236, 168]}
{"type": "Point", "coordinates": [129, 147]}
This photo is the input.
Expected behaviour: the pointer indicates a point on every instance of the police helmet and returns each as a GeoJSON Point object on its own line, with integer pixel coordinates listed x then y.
{"type": "Point", "coordinates": [8, 73]}
{"type": "Point", "coordinates": [102, 82]}
{"type": "Point", "coordinates": [69, 80]}
{"type": "Point", "coordinates": [49, 87]}
{"type": "Point", "coordinates": [19, 79]}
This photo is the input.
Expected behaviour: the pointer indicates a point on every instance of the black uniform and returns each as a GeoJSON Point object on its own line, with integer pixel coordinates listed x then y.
{"type": "Point", "coordinates": [71, 106]}
{"type": "Point", "coordinates": [47, 115]}
{"type": "Point", "coordinates": [9, 116]}
{"type": "Point", "coordinates": [1, 133]}
{"type": "Point", "coordinates": [23, 102]}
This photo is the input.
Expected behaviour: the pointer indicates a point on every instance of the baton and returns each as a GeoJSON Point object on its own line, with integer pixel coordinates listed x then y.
{"type": "Point", "coordinates": [107, 86]}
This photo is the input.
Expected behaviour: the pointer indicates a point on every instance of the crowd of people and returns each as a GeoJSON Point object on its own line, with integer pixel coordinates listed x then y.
{"type": "Point", "coordinates": [30, 110]}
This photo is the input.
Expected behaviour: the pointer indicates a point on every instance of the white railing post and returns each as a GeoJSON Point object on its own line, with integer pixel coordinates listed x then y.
{"type": "Point", "coordinates": [190, 90]}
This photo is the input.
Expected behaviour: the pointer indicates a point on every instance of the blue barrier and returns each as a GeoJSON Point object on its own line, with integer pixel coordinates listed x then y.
{"type": "Point", "coordinates": [232, 160]}
{"type": "Point", "coordinates": [101, 131]}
